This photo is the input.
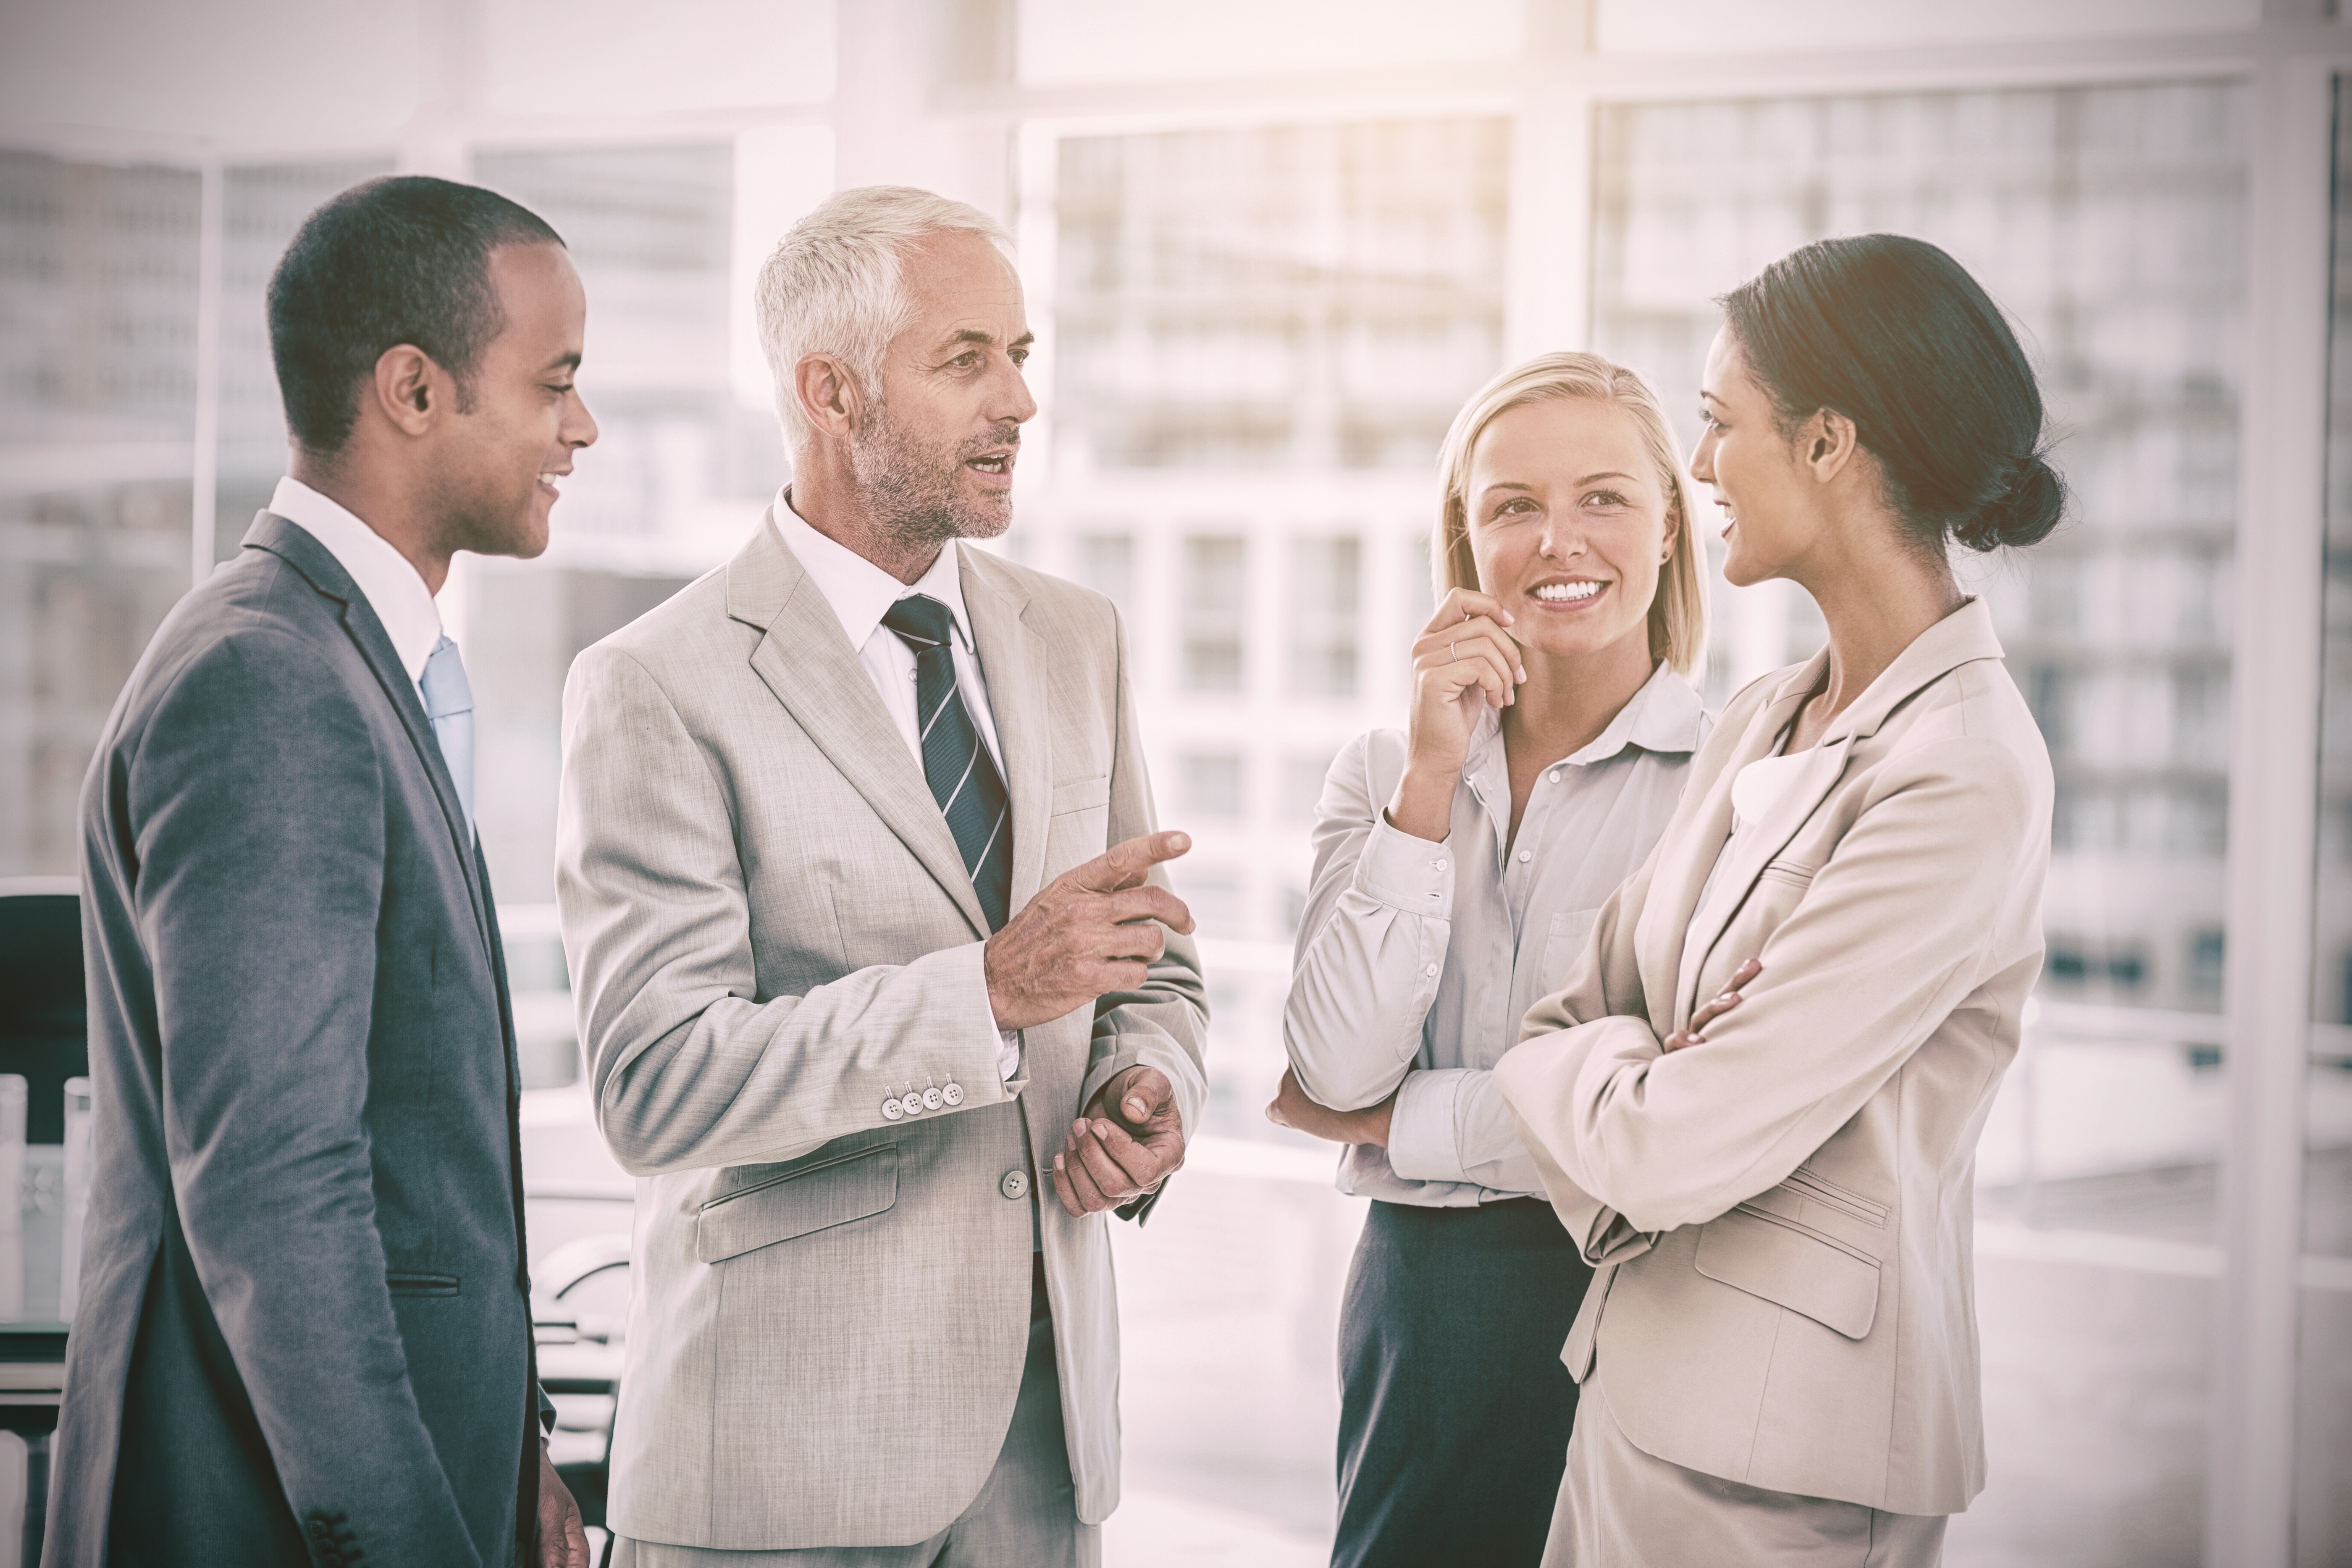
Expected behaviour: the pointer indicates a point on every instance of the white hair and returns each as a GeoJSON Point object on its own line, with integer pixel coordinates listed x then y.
{"type": "Point", "coordinates": [832, 285]}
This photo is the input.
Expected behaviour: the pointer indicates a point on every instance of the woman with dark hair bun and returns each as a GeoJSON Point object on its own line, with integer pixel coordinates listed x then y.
{"type": "Point", "coordinates": [1755, 1101]}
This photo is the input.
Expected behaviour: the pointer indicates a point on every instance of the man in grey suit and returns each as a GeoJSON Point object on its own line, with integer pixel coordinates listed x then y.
{"type": "Point", "coordinates": [304, 1335]}
{"type": "Point", "coordinates": [861, 892]}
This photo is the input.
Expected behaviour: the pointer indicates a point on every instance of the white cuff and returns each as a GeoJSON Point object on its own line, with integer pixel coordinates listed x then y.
{"type": "Point", "coordinates": [1408, 873]}
{"type": "Point", "coordinates": [1422, 1143]}
{"type": "Point", "coordinates": [1006, 1046]}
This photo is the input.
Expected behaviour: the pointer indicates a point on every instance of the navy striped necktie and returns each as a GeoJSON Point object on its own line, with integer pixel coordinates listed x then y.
{"type": "Point", "coordinates": [962, 775]}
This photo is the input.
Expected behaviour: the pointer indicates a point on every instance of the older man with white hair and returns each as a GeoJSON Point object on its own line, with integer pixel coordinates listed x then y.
{"type": "Point", "coordinates": [873, 953]}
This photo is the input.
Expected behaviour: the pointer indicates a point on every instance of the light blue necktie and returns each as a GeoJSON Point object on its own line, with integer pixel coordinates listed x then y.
{"type": "Point", "coordinates": [449, 703]}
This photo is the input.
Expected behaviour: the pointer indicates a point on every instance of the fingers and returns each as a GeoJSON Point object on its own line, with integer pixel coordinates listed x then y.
{"type": "Point", "coordinates": [1148, 903]}
{"type": "Point", "coordinates": [1473, 650]}
{"type": "Point", "coordinates": [1110, 1177]}
{"type": "Point", "coordinates": [1462, 639]}
{"type": "Point", "coordinates": [1134, 1163]}
{"type": "Point", "coordinates": [1466, 603]}
{"type": "Point", "coordinates": [1712, 1011]}
{"type": "Point", "coordinates": [1076, 1185]}
{"type": "Point", "coordinates": [1714, 1008]}
{"type": "Point", "coordinates": [1125, 864]}
{"type": "Point", "coordinates": [1145, 1096]}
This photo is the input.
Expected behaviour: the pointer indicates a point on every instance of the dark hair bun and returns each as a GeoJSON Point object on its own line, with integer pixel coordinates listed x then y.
{"type": "Point", "coordinates": [2024, 513]}
{"type": "Point", "coordinates": [1892, 333]}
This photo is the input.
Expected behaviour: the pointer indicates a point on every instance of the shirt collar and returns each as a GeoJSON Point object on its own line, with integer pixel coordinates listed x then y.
{"type": "Point", "coordinates": [388, 580]}
{"type": "Point", "coordinates": [861, 593]}
{"type": "Point", "coordinates": [1664, 716]}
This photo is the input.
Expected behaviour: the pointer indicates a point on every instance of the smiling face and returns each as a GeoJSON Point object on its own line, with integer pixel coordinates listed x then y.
{"type": "Point", "coordinates": [1770, 504]}
{"type": "Point", "coordinates": [1568, 521]}
{"type": "Point", "coordinates": [497, 462]}
{"type": "Point", "coordinates": [934, 460]}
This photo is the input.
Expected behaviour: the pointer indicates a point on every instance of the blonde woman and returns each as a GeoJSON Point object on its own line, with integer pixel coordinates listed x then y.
{"type": "Point", "coordinates": [1756, 1096]}
{"type": "Point", "coordinates": [1458, 865]}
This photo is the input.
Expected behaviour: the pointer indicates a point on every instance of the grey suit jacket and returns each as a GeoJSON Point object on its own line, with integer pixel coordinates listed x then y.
{"type": "Point", "coordinates": [1783, 1215]}
{"type": "Point", "coordinates": [771, 933]}
{"type": "Point", "coordinates": [303, 1332]}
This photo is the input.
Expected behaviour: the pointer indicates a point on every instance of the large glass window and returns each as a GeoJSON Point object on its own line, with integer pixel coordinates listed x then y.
{"type": "Point", "coordinates": [2323, 1515]}
{"type": "Point", "coordinates": [1301, 297]}
{"type": "Point", "coordinates": [1324, 615]}
{"type": "Point", "coordinates": [261, 206]}
{"type": "Point", "coordinates": [98, 352]}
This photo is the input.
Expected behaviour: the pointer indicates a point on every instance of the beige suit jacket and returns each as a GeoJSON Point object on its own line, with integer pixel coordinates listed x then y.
{"type": "Point", "coordinates": [771, 933]}
{"type": "Point", "coordinates": [1783, 1215]}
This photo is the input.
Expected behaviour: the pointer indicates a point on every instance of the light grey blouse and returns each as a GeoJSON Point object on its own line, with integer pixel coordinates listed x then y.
{"type": "Point", "coordinates": [1416, 961]}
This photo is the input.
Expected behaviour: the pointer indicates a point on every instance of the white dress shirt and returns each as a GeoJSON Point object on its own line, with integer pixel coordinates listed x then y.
{"type": "Point", "coordinates": [390, 582]}
{"type": "Point", "coordinates": [1416, 961]}
{"type": "Point", "coordinates": [861, 593]}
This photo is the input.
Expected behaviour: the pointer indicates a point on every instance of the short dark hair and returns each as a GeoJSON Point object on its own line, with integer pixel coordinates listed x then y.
{"type": "Point", "coordinates": [1892, 333]}
{"type": "Point", "coordinates": [401, 259]}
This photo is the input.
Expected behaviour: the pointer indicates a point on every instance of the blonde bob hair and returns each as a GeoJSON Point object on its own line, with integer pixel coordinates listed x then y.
{"type": "Point", "coordinates": [1678, 613]}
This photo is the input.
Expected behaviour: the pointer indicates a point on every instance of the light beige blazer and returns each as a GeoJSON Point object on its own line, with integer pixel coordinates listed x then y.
{"type": "Point", "coordinates": [1783, 1215]}
{"type": "Point", "coordinates": [771, 932]}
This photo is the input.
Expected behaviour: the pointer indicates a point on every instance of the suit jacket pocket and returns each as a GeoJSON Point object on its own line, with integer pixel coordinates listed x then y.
{"type": "Point", "coordinates": [1792, 1266]}
{"type": "Point", "coordinates": [814, 1197]}
{"type": "Point", "coordinates": [1080, 795]}
{"type": "Point", "coordinates": [401, 1284]}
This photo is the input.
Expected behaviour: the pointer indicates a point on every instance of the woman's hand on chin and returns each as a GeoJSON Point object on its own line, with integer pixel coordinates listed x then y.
{"type": "Point", "coordinates": [1291, 1107]}
{"type": "Point", "coordinates": [1463, 663]}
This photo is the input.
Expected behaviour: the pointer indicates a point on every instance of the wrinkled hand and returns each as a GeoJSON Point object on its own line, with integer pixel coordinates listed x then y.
{"type": "Point", "coordinates": [562, 1540]}
{"type": "Point", "coordinates": [1128, 1141]}
{"type": "Point", "coordinates": [1291, 1107]}
{"type": "Point", "coordinates": [1093, 929]}
{"type": "Point", "coordinates": [1713, 1009]}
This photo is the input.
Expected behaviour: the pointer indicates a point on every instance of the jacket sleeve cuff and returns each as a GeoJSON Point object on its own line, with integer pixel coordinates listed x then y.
{"type": "Point", "coordinates": [1422, 1142]}
{"type": "Point", "coordinates": [1407, 874]}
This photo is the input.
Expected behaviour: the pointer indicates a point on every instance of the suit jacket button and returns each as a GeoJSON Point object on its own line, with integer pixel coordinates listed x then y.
{"type": "Point", "coordinates": [952, 1093]}
{"type": "Point", "coordinates": [931, 1099]}
{"type": "Point", "coordinates": [1015, 1185]}
{"type": "Point", "coordinates": [912, 1104]}
{"type": "Point", "coordinates": [892, 1110]}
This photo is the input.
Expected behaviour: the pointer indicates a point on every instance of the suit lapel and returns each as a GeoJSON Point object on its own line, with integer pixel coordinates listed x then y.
{"type": "Point", "coordinates": [1011, 660]}
{"type": "Point", "coordinates": [294, 546]}
{"type": "Point", "coordinates": [812, 670]}
{"type": "Point", "coordinates": [1824, 765]}
{"type": "Point", "coordinates": [1689, 856]}
{"type": "Point", "coordinates": [1960, 637]}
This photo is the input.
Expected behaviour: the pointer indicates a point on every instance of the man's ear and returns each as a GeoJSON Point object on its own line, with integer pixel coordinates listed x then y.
{"type": "Point", "coordinates": [829, 395]}
{"type": "Point", "coordinates": [409, 389]}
